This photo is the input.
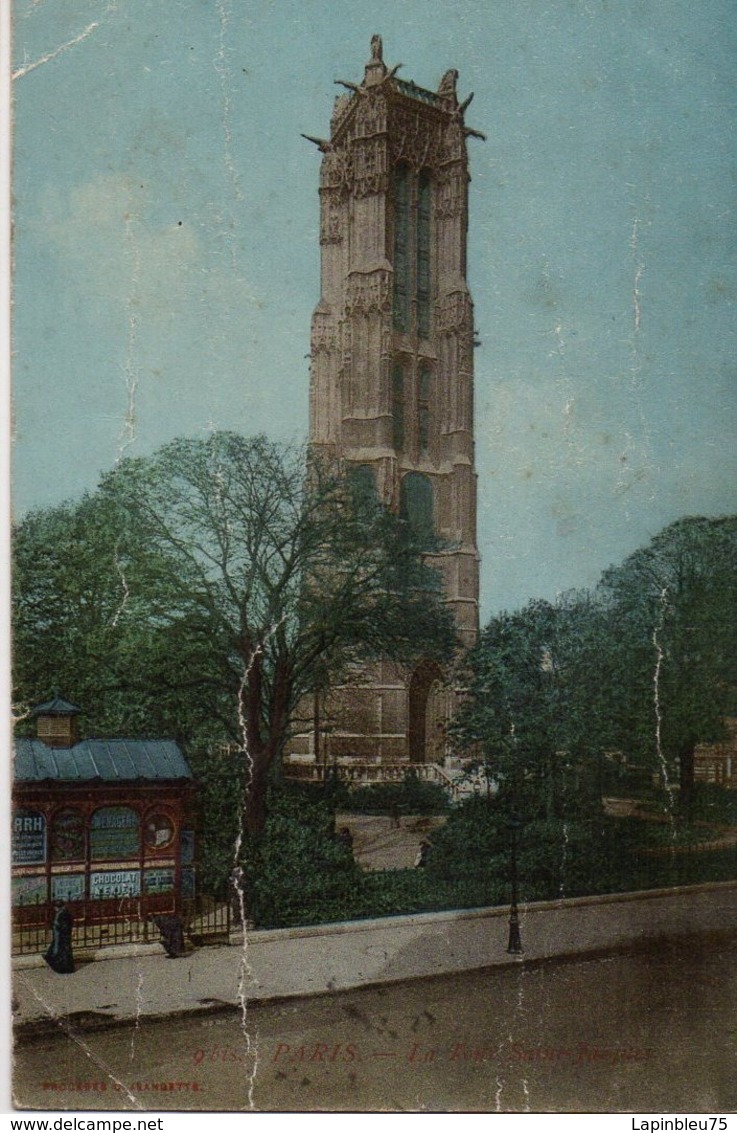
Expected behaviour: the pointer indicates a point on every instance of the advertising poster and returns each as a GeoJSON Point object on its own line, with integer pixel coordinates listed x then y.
{"type": "Point", "coordinates": [374, 544]}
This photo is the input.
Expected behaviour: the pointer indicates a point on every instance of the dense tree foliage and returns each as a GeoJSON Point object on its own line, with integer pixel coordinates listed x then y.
{"type": "Point", "coordinates": [202, 591]}
{"type": "Point", "coordinates": [643, 669]}
{"type": "Point", "coordinates": [85, 621]}
{"type": "Point", "coordinates": [299, 864]}
{"type": "Point", "coordinates": [671, 645]}
{"type": "Point", "coordinates": [531, 692]}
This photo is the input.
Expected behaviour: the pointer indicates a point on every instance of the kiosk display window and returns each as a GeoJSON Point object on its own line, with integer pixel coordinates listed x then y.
{"type": "Point", "coordinates": [67, 836]}
{"type": "Point", "coordinates": [158, 831]}
{"type": "Point", "coordinates": [29, 838]}
{"type": "Point", "coordinates": [114, 833]}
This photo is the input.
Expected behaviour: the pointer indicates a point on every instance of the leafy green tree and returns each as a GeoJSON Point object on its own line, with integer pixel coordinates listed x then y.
{"type": "Point", "coordinates": [68, 597]}
{"type": "Point", "coordinates": [645, 666]}
{"type": "Point", "coordinates": [220, 582]}
{"type": "Point", "coordinates": [671, 645]}
{"type": "Point", "coordinates": [84, 622]}
{"type": "Point", "coordinates": [527, 709]}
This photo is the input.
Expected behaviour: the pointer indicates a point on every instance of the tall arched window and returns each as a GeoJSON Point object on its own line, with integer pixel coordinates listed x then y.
{"type": "Point", "coordinates": [412, 249]}
{"type": "Point", "coordinates": [423, 254]}
{"type": "Point", "coordinates": [416, 505]}
{"type": "Point", "coordinates": [362, 481]}
{"type": "Point", "coordinates": [401, 248]}
{"type": "Point", "coordinates": [398, 406]}
{"type": "Point", "coordinates": [424, 381]}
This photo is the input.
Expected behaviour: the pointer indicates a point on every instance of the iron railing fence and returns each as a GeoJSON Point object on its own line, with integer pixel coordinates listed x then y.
{"type": "Point", "coordinates": [205, 921]}
{"type": "Point", "coordinates": [395, 892]}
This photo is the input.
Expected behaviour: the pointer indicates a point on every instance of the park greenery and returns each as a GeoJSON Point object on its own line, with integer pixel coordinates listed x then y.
{"type": "Point", "coordinates": [202, 592]}
{"type": "Point", "coordinates": [631, 676]}
{"type": "Point", "coordinates": [300, 874]}
{"type": "Point", "coordinates": [410, 796]}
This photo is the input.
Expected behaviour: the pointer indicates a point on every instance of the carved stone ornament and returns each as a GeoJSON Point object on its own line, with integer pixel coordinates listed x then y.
{"type": "Point", "coordinates": [369, 167]}
{"type": "Point", "coordinates": [450, 192]}
{"type": "Point", "coordinates": [367, 293]}
{"type": "Point", "coordinates": [323, 337]}
{"type": "Point", "coordinates": [455, 315]}
{"type": "Point", "coordinates": [340, 106]}
{"type": "Point", "coordinates": [454, 140]}
{"type": "Point", "coordinates": [370, 116]}
{"type": "Point", "coordinates": [466, 355]}
{"type": "Point", "coordinates": [447, 88]}
{"type": "Point", "coordinates": [417, 140]}
{"type": "Point", "coordinates": [346, 346]}
{"type": "Point", "coordinates": [335, 169]}
{"type": "Point", "coordinates": [331, 217]}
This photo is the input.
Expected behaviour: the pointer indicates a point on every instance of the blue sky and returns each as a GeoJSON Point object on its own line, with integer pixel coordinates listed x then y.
{"type": "Point", "coordinates": [166, 247]}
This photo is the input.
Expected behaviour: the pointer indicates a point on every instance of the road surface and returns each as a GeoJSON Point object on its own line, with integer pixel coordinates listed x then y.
{"type": "Point", "coordinates": [647, 1031]}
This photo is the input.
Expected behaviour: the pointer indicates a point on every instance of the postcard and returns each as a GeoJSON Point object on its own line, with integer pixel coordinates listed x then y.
{"type": "Point", "coordinates": [374, 545]}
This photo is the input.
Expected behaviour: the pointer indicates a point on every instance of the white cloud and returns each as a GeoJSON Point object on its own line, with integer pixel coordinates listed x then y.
{"type": "Point", "coordinates": [104, 237]}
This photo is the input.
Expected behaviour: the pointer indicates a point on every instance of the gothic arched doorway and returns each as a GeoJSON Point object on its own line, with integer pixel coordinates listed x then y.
{"type": "Point", "coordinates": [427, 714]}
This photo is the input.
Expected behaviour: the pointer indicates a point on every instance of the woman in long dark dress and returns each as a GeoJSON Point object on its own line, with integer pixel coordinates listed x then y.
{"type": "Point", "coordinates": [59, 953]}
{"type": "Point", "coordinates": [172, 935]}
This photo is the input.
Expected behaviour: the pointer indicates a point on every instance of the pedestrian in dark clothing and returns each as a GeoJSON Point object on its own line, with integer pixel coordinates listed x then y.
{"type": "Point", "coordinates": [172, 935]}
{"type": "Point", "coordinates": [423, 853]}
{"type": "Point", "coordinates": [345, 837]}
{"type": "Point", "coordinates": [59, 953]}
{"type": "Point", "coordinates": [394, 821]}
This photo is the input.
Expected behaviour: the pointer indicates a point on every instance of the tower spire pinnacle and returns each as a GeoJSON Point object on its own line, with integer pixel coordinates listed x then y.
{"type": "Point", "coordinates": [375, 68]}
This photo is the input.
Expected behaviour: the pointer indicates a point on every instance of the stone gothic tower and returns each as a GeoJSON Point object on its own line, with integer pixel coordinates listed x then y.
{"type": "Point", "coordinates": [392, 369]}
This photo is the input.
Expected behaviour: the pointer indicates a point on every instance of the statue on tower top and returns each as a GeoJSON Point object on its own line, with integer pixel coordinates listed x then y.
{"type": "Point", "coordinates": [375, 69]}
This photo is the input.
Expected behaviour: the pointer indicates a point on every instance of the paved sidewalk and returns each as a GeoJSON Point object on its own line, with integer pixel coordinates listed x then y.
{"type": "Point", "coordinates": [283, 963]}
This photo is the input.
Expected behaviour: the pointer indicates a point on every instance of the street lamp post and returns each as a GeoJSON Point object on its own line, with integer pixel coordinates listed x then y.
{"type": "Point", "coordinates": [515, 940]}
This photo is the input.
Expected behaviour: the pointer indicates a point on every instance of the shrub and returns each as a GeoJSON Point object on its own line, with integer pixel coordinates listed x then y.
{"type": "Point", "coordinates": [712, 803]}
{"type": "Point", "coordinates": [411, 796]}
{"type": "Point", "coordinates": [298, 864]}
{"type": "Point", "coordinates": [299, 874]}
{"type": "Point", "coordinates": [558, 858]}
{"type": "Point", "coordinates": [473, 834]}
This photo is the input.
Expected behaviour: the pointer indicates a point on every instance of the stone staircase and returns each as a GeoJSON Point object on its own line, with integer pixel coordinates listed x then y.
{"type": "Point", "coordinates": [458, 782]}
